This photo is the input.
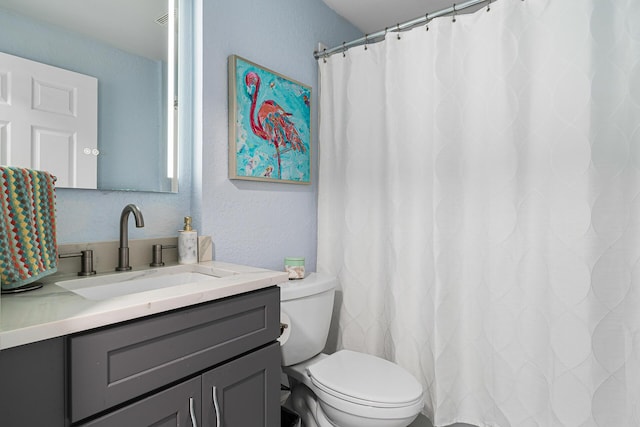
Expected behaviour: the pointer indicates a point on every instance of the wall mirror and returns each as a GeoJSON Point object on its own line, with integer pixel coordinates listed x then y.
{"type": "Point", "coordinates": [130, 47]}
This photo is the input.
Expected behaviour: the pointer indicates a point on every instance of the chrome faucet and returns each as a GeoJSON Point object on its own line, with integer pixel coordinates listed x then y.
{"type": "Point", "coordinates": [123, 250]}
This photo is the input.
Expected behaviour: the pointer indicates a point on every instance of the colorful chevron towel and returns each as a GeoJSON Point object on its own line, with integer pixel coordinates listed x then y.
{"type": "Point", "coordinates": [28, 246]}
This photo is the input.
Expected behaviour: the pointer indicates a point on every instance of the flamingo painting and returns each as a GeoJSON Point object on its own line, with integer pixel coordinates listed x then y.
{"type": "Point", "coordinates": [273, 123]}
{"type": "Point", "coordinates": [274, 117]}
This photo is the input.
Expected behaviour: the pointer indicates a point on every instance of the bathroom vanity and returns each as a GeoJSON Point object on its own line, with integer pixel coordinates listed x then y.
{"type": "Point", "coordinates": [204, 354]}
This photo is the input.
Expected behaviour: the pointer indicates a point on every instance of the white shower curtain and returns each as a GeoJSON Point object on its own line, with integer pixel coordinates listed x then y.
{"type": "Point", "coordinates": [479, 200]}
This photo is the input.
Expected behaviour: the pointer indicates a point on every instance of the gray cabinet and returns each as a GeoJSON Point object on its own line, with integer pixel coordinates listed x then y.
{"type": "Point", "coordinates": [118, 375]}
{"type": "Point", "coordinates": [243, 393]}
{"type": "Point", "coordinates": [158, 370]}
{"type": "Point", "coordinates": [113, 365]}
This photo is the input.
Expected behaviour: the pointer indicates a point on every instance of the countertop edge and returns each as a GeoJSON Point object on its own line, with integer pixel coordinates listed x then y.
{"type": "Point", "coordinates": [103, 313]}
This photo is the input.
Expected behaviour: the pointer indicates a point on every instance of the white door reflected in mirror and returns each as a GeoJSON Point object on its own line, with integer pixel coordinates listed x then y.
{"type": "Point", "coordinates": [48, 114]}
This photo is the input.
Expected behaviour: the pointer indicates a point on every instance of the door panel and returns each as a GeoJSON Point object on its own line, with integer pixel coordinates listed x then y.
{"type": "Point", "coordinates": [55, 150]}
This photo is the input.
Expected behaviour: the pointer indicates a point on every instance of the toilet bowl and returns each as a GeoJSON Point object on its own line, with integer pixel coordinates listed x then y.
{"type": "Point", "coordinates": [346, 388]}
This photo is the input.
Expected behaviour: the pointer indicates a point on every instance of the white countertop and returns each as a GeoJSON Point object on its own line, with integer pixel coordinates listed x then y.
{"type": "Point", "coordinates": [53, 311]}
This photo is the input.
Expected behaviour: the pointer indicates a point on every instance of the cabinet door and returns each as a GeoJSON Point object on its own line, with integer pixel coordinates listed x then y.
{"type": "Point", "coordinates": [176, 406]}
{"type": "Point", "coordinates": [244, 392]}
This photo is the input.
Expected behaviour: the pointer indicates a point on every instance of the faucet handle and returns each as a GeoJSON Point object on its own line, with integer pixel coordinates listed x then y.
{"type": "Point", "coordinates": [86, 261]}
{"type": "Point", "coordinates": [156, 252]}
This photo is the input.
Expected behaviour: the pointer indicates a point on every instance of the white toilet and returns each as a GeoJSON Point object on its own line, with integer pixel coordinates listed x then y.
{"type": "Point", "coordinates": [344, 389]}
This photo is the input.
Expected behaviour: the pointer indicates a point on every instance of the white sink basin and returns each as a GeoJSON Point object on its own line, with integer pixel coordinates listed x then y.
{"type": "Point", "coordinates": [118, 284]}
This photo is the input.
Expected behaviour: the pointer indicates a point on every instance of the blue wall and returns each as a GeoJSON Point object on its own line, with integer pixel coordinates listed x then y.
{"type": "Point", "coordinates": [251, 222]}
{"type": "Point", "coordinates": [131, 103]}
{"type": "Point", "coordinates": [260, 223]}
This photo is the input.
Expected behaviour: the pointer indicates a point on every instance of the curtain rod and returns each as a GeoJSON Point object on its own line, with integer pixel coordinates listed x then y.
{"type": "Point", "coordinates": [407, 25]}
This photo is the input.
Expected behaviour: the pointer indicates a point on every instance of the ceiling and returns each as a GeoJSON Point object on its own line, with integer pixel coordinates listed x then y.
{"type": "Point", "coordinates": [134, 31]}
{"type": "Point", "coordinates": [370, 16]}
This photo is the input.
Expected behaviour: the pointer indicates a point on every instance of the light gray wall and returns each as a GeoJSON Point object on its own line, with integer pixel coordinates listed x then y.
{"type": "Point", "coordinates": [259, 223]}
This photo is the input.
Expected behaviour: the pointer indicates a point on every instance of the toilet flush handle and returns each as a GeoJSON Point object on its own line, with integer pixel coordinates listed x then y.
{"type": "Point", "coordinates": [283, 326]}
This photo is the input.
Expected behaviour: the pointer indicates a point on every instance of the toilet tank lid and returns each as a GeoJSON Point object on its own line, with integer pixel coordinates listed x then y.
{"type": "Point", "coordinates": [314, 283]}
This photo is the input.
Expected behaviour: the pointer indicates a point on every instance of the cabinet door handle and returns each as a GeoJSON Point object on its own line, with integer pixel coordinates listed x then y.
{"type": "Point", "coordinates": [192, 412]}
{"type": "Point", "coordinates": [216, 407]}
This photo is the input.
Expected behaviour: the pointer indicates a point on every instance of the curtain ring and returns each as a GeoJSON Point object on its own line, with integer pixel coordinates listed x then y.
{"type": "Point", "coordinates": [366, 40]}
{"type": "Point", "coordinates": [426, 19]}
{"type": "Point", "coordinates": [324, 55]}
{"type": "Point", "coordinates": [398, 27]}
{"type": "Point", "coordinates": [344, 50]}
{"type": "Point", "coordinates": [454, 13]}
{"type": "Point", "coordinates": [489, 6]}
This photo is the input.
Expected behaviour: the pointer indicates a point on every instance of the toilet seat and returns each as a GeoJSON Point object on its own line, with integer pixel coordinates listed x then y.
{"type": "Point", "coordinates": [365, 385]}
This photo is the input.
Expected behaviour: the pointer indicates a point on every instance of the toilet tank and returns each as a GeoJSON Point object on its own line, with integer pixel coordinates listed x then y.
{"type": "Point", "coordinates": [306, 306]}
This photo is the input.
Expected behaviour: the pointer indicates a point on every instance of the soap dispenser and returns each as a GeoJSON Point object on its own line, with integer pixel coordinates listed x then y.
{"type": "Point", "coordinates": [187, 243]}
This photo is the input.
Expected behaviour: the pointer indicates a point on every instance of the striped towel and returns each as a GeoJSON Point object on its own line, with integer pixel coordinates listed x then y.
{"type": "Point", "coordinates": [28, 247]}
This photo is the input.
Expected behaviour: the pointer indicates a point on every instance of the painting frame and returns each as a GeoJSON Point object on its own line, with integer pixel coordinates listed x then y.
{"type": "Point", "coordinates": [269, 125]}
